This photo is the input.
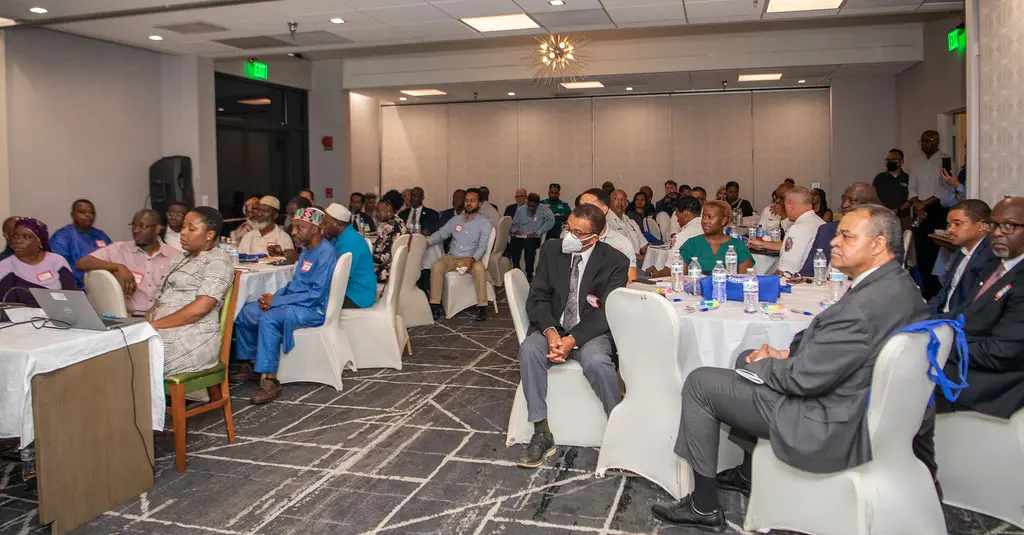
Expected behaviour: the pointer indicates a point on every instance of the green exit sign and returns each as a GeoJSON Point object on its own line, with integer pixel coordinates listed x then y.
{"type": "Point", "coordinates": [256, 70]}
{"type": "Point", "coordinates": [956, 40]}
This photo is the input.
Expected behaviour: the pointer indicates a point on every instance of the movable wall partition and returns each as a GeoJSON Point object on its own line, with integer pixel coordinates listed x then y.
{"type": "Point", "coordinates": [757, 138]}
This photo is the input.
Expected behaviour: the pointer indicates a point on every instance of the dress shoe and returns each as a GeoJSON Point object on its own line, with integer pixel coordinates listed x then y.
{"type": "Point", "coordinates": [436, 311]}
{"type": "Point", "coordinates": [732, 479]}
{"type": "Point", "coordinates": [481, 313]}
{"type": "Point", "coordinates": [244, 374]}
{"type": "Point", "coordinates": [269, 390]}
{"type": "Point", "coordinates": [684, 513]}
{"type": "Point", "coordinates": [541, 445]}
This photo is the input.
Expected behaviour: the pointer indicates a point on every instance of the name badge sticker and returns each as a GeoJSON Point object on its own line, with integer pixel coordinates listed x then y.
{"type": "Point", "coordinates": [592, 300]}
{"type": "Point", "coordinates": [101, 243]}
{"type": "Point", "coordinates": [458, 228]}
{"type": "Point", "coordinates": [44, 276]}
{"type": "Point", "coordinates": [138, 277]}
{"type": "Point", "coordinates": [306, 266]}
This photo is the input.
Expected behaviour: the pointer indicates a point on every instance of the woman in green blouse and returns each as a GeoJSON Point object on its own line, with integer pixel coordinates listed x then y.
{"type": "Point", "coordinates": [713, 244]}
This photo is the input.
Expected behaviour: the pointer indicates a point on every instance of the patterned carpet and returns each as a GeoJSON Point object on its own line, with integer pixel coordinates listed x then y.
{"type": "Point", "coordinates": [421, 450]}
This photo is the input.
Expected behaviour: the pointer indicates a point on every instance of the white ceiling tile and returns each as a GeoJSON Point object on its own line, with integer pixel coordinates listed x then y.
{"type": "Point", "coordinates": [652, 23]}
{"type": "Point", "coordinates": [292, 8]}
{"type": "Point", "coordinates": [449, 28]}
{"type": "Point", "coordinates": [415, 14]}
{"type": "Point", "coordinates": [877, 10]}
{"type": "Point", "coordinates": [879, 3]}
{"type": "Point", "coordinates": [792, 15]}
{"type": "Point", "coordinates": [477, 8]}
{"type": "Point", "coordinates": [723, 10]}
{"type": "Point", "coordinates": [542, 6]}
{"type": "Point", "coordinates": [389, 34]}
{"type": "Point", "coordinates": [370, 4]}
{"type": "Point", "coordinates": [615, 4]}
{"type": "Point", "coordinates": [938, 5]}
{"type": "Point", "coordinates": [647, 13]}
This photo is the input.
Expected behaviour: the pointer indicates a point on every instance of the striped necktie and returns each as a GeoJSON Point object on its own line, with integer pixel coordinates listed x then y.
{"type": "Point", "coordinates": [571, 316]}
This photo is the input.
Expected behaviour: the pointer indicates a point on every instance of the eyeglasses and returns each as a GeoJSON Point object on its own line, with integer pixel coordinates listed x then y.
{"type": "Point", "coordinates": [1007, 227]}
{"type": "Point", "coordinates": [578, 234]}
{"type": "Point", "coordinates": [142, 227]}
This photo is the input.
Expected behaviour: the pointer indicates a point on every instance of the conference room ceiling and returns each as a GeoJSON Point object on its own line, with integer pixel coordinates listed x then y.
{"type": "Point", "coordinates": [650, 83]}
{"type": "Point", "coordinates": [262, 26]}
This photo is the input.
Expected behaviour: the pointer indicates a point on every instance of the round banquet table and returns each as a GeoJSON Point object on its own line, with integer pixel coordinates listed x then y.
{"type": "Point", "coordinates": [658, 257]}
{"type": "Point", "coordinates": [258, 279]}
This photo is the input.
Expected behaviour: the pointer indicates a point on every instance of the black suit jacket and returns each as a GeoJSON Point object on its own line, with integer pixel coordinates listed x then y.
{"type": "Point", "coordinates": [994, 325]}
{"type": "Point", "coordinates": [510, 210]}
{"type": "Point", "coordinates": [430, 220]}
{"type": "Point", "coordinates": [981, 260]}
{"type": "Point", "coordinates": [606, 270]}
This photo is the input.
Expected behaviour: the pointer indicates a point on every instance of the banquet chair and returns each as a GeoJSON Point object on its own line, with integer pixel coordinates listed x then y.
{"type": "Point", "coordinates": [214, 380]}
{"type": "Point", "coordinates": [459, 293]}
{"type": "Point", "coordinates": [652, 226]}
{"type": "Point", "coordinates": [105, 293]}
{"type": "Point", "coordinates": [893, 494]}
{"type": "Point", "coordinates": [499, 264]}
{"type": "Point", "coordinates": [908, 240]}
{"type": "Point", "coordinates": [321, 353]}
{"type": "Point", "coordinates": [642, 429]}
{"type": "Point", "coordinates": [378, 333]}
{"type": "Point", "coordinates": [575, 414]}
{"type": "Point", "coordinates": [664, 220]}
{"type": "Point", "coordinates": [413, 306]}
{"type": "Point", "coordinates": [981, 459]}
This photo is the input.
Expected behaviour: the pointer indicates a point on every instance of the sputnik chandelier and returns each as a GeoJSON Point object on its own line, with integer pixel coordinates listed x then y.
{"type": "Point", "coordinates": [559, 58]}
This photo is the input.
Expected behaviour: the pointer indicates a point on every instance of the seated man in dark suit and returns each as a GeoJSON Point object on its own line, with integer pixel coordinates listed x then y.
{"type": "Point", "coordinates": [424, 220]}
{"type": "Point", "coordinates": [567, 321]}
{"type": "Point", "coordinates": [458, 205]}
{"type": "Point", "coordinates": [858, 193]}
{"type": "Point", "coordinates": [994, 327]}
{"type": "Point", "coordinates": [810, 400]}
{"type": "Point", "coordinates": [968, 230]}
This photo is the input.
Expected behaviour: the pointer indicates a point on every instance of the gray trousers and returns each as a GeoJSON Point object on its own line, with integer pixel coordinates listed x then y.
{"type": "Point", "coordinates": [595, 357]}
{"type": "Point", "coordinates": [715, 396]}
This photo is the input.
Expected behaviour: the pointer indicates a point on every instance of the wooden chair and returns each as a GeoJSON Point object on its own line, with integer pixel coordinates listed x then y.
{"type": "Point", "coordinates": [214, 380]}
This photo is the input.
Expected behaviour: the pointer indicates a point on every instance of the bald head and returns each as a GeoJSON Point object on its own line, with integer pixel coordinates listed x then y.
{"type": "Point", "coordinates": [619, 202]}
{"type": "Point", "coordinates": [520, 196]}
{"type": "Point", "coordinates": [1008, 242]}
{"type": "Point", "coordinates": [858, 193]}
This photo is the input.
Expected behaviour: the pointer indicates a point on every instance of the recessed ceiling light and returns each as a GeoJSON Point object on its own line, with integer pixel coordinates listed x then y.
{"type": "Point", "coordinates": [500, 23]}
{"type": "Point", "coordinates": [760, 77]}
{"type": "Point", "coordinates": [423, 92]}
{"type": "Point", "coordinates": [801, 81]}
{"type": "Point", "coordinates": [582, 85]}
{"type": "Point", "coordinates": [403, 99]}
{"type": "Point", "coordinates": [338, 20]}
{"type": "Point", "coordinates": [155, 38]}
{"type": "Point", "coordinates": [782, 6]}
{"type": "Point", "coordinates": [556, 3]}
{"type": "Point", "coordinates": [39, 10]}
{"type": "Point", "coordinates": [629, 89]}
{"type": "Point", "coordinates": [220, 109]}
{"type": "Point", "coordinates": [511, 94]}
{"type": "Point", "coordinates": [255, 101]}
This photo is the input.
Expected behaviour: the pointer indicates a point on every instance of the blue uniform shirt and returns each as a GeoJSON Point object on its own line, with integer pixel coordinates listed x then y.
{"type": "Point", "coordinates": [362, 280]}
{"type": "Point", "coordinates": [311, 282]}
{"type": "Point", "coordinates": [73, 245]}
{"type": "Point", "coordinates": [541, 221]}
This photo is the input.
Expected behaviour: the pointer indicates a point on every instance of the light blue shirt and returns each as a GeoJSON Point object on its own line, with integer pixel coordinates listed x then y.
{"type": "Point", "coordinates": [469, 236]}
{"type": "Point", "coordinates": [362, 281]}
{"type": "Point", "coordinates": [538, 223]}
{"type": "Point", "coordinates": [950, 196]}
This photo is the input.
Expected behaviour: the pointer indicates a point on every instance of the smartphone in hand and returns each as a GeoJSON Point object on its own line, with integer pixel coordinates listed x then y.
{"type": "Point", "coordinates": [947, 164]}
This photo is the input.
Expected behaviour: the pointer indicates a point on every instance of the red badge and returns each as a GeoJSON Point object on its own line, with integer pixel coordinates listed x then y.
{"type": "Point", "coordinates": [306, 266]}
{"type": "Point", "coordinates": [101, 243]}
{"type": "Point", "coordinates": [44, 276]}
{"type": "Point", "coordinates": [789, 243]}
{"type": "Point", "coordinates": [458, 228]}
{"type": "Point", "coordinates": [138, 277]}
{"type": "Point", "coordinates": [592, 301]}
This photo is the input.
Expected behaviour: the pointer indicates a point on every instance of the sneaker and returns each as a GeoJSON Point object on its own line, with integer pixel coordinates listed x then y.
{"type": "Point", "coordinates": [541, 445]}
{"type": "Point", "coordinates": [732, 479]}
{"type": "Point", "coordinates": [244, 374]}
{"type": "Point", "coordinates": [684, 513]}
{"type": "Point", "coordinates": [269, 390]}
{"type": "Point", "coordinates": [481, 313]}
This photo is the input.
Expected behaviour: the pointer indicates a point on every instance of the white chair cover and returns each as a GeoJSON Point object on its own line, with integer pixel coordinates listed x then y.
{"type": "Point", "coordinates": [105, 293]}
{"type": "Point", "coordinates": [665, 224]}
{"type": "Point", "coordinates": [642, 430]}
{"type": "Point", "coordinates": [891, 495]}
{"type": "Point", "coordinates": [981, 463]}
{"type": "Point", "coordinates": [654, 228]}
{"type": "Point", "coordinates": [499, 265]}
{"type": "Point", "coordinates": [458, 292]}
{"type": "Point", "coordinates": [575, 415]}
{"type": "Point", "coordinates": [321, 353]}
{"type": "Point", "coordinates": [908, 240]}
{"type": "Point", "coordinates": [413, 305]}
{"type": "Point", "coordinates": [378, 333]}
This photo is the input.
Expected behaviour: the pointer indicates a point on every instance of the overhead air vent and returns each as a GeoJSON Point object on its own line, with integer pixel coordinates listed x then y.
{"type": "Point", "coordinates": [252, 43]}
{"type": "Point", "coordinates": [193, 28]}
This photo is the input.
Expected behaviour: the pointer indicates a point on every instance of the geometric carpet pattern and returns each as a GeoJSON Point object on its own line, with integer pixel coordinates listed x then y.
{"type": "Point", "coordinates": [416, 451]}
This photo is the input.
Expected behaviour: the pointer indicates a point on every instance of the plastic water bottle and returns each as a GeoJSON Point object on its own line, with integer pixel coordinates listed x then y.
{"type": "Point", "coordinates": [731, 261]}
{"type": "Point", "coordinates": [718, 277]}
{"type": "Point", "coordinates": [28, 462]}
{"type": "Point", "coordinates": [694, 274]}
{"type": "Point", "coordinates": [760, 232]}
{"type": "Point", "coordinates": [836, 280]}
{"type": "Point", "coordinates": [750, 292]}
{"type": "Point", "coordinates": [737, 215]}
{"type": "Point", "coordinates": [751, 233]}
{"type": "Point", "coordinates": [820, 268]}
{"type": "Point", "coordinates": [777, 234]}
{"type": "Point", "coordinates": [233, 253]}
{"type": "Point", "coordinates": [678, 274]}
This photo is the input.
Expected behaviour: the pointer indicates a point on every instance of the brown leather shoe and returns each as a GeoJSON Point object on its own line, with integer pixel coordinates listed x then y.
{"type": "Point", "coordinates": [269, 390]}
{"type": "Point", "coordinates": [244, 374]}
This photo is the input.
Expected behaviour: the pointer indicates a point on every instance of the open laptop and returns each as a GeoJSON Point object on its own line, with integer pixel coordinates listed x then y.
{"type": "Point", "coordinates": [73, 307]}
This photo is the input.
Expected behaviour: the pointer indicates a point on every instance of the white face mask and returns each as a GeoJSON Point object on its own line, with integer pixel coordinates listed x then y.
{"type": "Point", "coordinates": [571, 244]}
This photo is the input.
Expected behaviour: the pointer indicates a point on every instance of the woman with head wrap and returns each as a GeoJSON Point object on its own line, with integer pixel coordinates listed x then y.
{"type": "Point", "coordinates": [248, 224]}
{"type": "Point", "coordinates": [32, 265]}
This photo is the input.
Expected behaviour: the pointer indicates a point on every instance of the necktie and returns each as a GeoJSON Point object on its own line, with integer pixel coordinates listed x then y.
{"type": "Point", "coordinates": [415, 216]}
{"type": "Point", "coordinates": [992, 279]}
{"type": "Point", "coordinates": [571, 316]}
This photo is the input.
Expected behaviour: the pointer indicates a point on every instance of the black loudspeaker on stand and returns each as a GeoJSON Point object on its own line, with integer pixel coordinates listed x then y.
{"type": "Point", "coordinates": [170, 180]}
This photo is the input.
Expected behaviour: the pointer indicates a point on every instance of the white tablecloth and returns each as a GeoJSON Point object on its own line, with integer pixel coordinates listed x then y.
{"type": "Point", "coordinates": [259, 279]}
{"type": "Point", "coordinates": [658, 257]}
{"type": "Point", "coordinates": [25, 352]}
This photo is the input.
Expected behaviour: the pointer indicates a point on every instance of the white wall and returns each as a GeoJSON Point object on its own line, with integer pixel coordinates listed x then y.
{"type": "Point", "coordinates": [289, 71]}
{"type": "Point", "coordinates": [328, 116]}
{"type": "Point", "coordinates": [933, 87]}
{"type": "Point", "coordinates": [5, 185]}
{"type": "Point", "coordinates": [865, 126]}
{"type": "Point", "coordinates": [189, 122]}
{"type": "Point", "coordinates": [84, 120]}
{"type": "Point", "coordinates": [364, 138]}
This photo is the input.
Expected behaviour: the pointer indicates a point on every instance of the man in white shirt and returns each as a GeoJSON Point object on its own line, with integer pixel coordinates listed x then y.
{"type": "Point", "coordinates": [773, 216]}
{"type": "Point", "coordinates": [924, 189]}
{"type": "Point", "coordinates": [794, 249]}
{"type": "Point", "coordinates": [600, 199]}
{"type": "Point", "coordinates": [629, 228]}
{"type": "Point", "coordinates": [267, 238]}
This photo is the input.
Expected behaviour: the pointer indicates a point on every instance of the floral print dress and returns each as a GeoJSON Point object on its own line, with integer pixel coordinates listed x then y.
{"type": "Point", "coordinates": [386, 235]}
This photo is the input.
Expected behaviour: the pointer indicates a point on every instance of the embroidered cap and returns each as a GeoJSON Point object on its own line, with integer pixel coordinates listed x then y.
{"type": "Point", "coordinates": [310, 215]}
{"type": "Point", "coordinates": [339, 212]}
